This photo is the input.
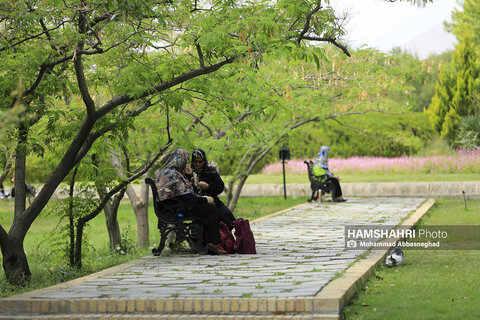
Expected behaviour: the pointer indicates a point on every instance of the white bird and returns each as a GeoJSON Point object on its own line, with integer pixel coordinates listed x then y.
{"type": "Point", "coordinates": [394, 258]}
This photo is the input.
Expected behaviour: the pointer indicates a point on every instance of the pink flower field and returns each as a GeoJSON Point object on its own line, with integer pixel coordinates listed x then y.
{"type": "Point", "coordinates": [463, 161]}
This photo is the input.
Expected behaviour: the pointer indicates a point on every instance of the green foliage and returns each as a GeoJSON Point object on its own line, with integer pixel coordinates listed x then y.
{"type": "Point", "coordinates": [435, 147]}
{"type": "Point", "coordinates": [458, 85]}
{"type": "Point", "coordinates": [69, 210]}
{"type": "Point", "coordinates": [346, 95]}
{"type": "Point", "coordinates": [455, 90]}
{"type": "Point", "coordinates": [131, 46]}
{"type": "Point", "coordinates": [422, 78]}
{"type": "Point", "coordinates": [125, 76]}
{"type": "Point", "coordinates": [381, 135]}
{"type": "Point", "coordinates": [440, 102]}
{"type": "Point", "coordinates": [372, 134]}
{"type": "Point", "coordinates": [128, 244]}
{"type": "Point", "coordinates": [469, 135]}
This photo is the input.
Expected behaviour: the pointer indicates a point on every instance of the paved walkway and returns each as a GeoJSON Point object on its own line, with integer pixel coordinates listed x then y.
{"type": "Point", "coordinates": [299, 252]}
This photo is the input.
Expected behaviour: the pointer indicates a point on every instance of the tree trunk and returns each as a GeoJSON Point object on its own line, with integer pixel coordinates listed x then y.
{"type": "Point", "coordinates": [71, 225]}
{"type": "Point", "coordinates": [236, 193]}
{"type": "Point", "coordinates": [242, 174]}
{"type": "Point", "coordinates": [111, 212]}
{"type": "Point", "coordinates": [140, 208]}
{"type": "Point", "coordinates": [19, 178]}
{"type": "Point", "coordinates": [78, 242]}
{"type": "Point", "coordinates": [139, 205]}
{"type": "Point", "coordinates": [114, 235]}
{"type": "Point", "coordinates": [110, 209]}
{"type": "Point", "coordinates": [15, 261]}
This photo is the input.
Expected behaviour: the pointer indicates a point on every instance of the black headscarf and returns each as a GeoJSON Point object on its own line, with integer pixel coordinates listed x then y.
{"type": "Point", "coordinates": [171, 181]}
{"type": "Point", "coordinates": [200, 153]}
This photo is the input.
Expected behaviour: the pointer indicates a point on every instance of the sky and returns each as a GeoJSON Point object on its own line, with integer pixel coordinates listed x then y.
{"type": "Point", "coordinates": [384, 25]}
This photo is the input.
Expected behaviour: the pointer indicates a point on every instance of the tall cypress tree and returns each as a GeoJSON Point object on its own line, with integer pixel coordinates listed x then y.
{"type": "Point", "coordinates": [458, 84]}
{"type": "Point", "coordinates": [440, 104]}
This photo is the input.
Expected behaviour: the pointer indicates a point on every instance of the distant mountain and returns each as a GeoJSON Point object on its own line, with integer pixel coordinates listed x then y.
{"type": "Point", "coordinates": [433, 41]}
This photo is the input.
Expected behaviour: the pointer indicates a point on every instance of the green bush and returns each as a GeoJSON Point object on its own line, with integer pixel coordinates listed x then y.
{"type": "Point", "coordinates": [387, 136]}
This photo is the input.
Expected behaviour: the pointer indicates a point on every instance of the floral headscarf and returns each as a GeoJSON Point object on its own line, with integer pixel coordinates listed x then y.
{"type": "Point", "coordinates": [171, 181]}
{"type": "Point", "coordinates": [322, 158]}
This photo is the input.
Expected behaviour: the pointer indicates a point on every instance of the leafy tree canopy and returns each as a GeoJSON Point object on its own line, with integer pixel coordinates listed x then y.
{"type": "Point", "coordinates": [458, 86]}
{"type": "Point", "coordinates": [82, 70]}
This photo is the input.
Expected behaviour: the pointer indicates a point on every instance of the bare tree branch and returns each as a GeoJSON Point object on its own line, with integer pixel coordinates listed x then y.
{"type": "Point", "coordinates": [198, 120]}
{"type": "Point", "coordinates": [82, 85]}
{"type": "Point", "coordinates": [119, 100]}
{"type": "Point", "coordinates": [221, 134]}
{"type": "Point", "coordinates": [307, 22]}
{"type": "Point", "coordinates": [38, 35]}
{"type": "Point", "coordinates": [200, 55]}
{"type": "Point", "coordinates": [332, 41]}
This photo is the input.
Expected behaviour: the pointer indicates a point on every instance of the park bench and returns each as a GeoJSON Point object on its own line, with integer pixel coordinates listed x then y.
{"type": "Point", "coordinates": [172, 219]}
{"type": "Point", "coordinates": [320, 184]}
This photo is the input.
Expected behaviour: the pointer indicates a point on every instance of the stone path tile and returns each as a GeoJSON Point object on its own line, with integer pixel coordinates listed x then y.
{"type": "Point", "coordinates": [299, 252]}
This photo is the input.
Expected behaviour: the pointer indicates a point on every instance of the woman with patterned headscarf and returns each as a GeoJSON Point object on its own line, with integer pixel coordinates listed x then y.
{"type": "Point", "coordinates": [173, 186]}
{"type": "Point", "coordinates": [210, 184]}
{"type": "Point", "coordinates": [320, 167]}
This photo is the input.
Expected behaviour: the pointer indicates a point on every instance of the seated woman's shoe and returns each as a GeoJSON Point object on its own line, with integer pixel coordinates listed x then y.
{"type": "Point", "coordinates": [216, 248]}
{"type": "Point", "coordinates": [340, 200]}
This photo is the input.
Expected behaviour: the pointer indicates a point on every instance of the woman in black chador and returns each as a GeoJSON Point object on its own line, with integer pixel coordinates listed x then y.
{"type": "Point", "coordinates": [210, 184]}
{"type": "Point", "coordinates": [173, 186]}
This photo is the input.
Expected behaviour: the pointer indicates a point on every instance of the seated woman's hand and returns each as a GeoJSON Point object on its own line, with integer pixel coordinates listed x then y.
{"type": "Point", "coordinates": [209, 199]}
{"type": "Point", "coordinates": [188, 170]}
{"type": "Point", "coordinates": [203, 185]}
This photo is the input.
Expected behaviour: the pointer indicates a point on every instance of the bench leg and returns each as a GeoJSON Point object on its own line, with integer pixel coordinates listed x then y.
{"type": "Point", "coordinates": [312, 197]}
{"type": "Point", "coordinates": [320, 196]}
{"type": "Point", "coordinates": [157, 251]}
{"type": "Point", "coordinates": [165, 231]}
{"type": "Point", "coordinates": [171, 235]}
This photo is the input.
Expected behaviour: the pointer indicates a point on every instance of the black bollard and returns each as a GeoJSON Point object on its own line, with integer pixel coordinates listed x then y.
{"type": "Point", "coordinates": [284, 155]}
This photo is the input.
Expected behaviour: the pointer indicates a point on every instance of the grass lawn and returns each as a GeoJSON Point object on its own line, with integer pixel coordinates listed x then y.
{"type": "Point", "coordinates": [43, 245]}
{"type": "Point", "coordinates": [430, 284]}
{"type": "Point", "coordinates": [296, 178]}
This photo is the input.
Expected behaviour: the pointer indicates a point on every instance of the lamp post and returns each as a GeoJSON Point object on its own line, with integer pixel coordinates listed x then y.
{"type": "Point", "coordinates": [284, 154]}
